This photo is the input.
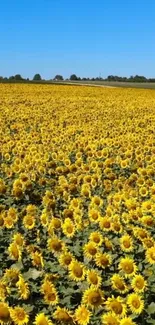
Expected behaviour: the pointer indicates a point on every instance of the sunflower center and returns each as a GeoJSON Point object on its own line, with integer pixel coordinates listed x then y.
{"type": "Point", "coordinates": [78, 272]}
{"type": "Point", "coordinates": [69, 229]}
{"type": "Point", "coordinates": [95, 298]}
{"type": "Point", "coordinates": [120, 285]}
{"type": "Point", "coordinates": [93, 278]}
{"type": "Point", "coordinates": [139, 284]}
{"type": "Point", "coordinates": [92, 250]}
{"type": "Point", "coordinates": [126, 243]}
{"type": "Point", "coordinates": [128, 268]}
{"type": "Point", "coordinates": [117, 307]}
{"type": "Point", "coordinates": [136, 303]}
{"type": "Point", "coordinates": [51, 296]}
{"type": "Point", "coordinates": [56, 245]}
{"type": "Point", "coordinates": [67, 260]}
{"type": "Point", "coordinates": [21, 315]}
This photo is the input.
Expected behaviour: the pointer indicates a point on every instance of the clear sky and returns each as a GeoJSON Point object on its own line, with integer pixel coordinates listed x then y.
{"type": "Point", "coordinates": [86, 37]}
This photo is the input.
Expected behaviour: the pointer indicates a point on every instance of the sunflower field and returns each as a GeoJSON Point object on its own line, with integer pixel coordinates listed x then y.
{"type": "Point", "coordinates": [77, 205]}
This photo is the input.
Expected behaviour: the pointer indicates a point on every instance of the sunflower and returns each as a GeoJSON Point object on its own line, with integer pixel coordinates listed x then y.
{"type": "Point", "coordinates": [96, 237]}
{"type": "Point", "coordinates": [2, 222]}
{"type": "Point", "coordinates": [11, 276]}
{"type": "Point", "coordinates": [105, 223]}
{"type": "Point", "coordinates": [31, 209]}
{"type": "Point", "coordinates": [51, 298]}
{"type": "Point", "coordinates": [42, 319]}
{"type": "Point", "coordinates": [138, 283]}
{"type": "Point", "coordinates": [49, 292]}
{"type": "Point", "coordinates": [44, 219]}
{"type": "Point", "coordinates": [77, 271]}
{"type": "Point", "coordinates": [96, 201]}
{"type": "Point", "coordinates": [126, 243]}
{"type": "Point", "coordinates": [94, 215]}
{"type": "Point", "coordinates": [103, 260]}
{"type": "Point", "coordinates": [37, 259]}
{"type": "Point", "coordinates": [4, 313]}
{"type": "Point", "coordinates": [116, 227]}
{"type": "Point", "coordinates": [4, 290]}
{"type": "Point", "coordinates": [62, 315]}
{"type": "Point", "coordinates": [55, 224]}
{"type": "Point", "coordinates": [135, 303]}
{"type": "Point", "coordinates": [19, 315]}
{"type": "Point", "coordinates": [90, 250]}
{"type": "Point", "coordinates": [116, 306]}
{"type": "Point", "coordinates": [92, 297]}
{"type": "Point", "coordinates": [65, 259]}
{"type": "Point", "coordinates": [19, 239]}
{"type": "Point", "coordinates": [150, 255]}
{"type": "Point", "coordinates": [118, 283]}
{"type": "Point", "coordinates": [127, 266]}
{"type": "Point", "coordinates": [68, 228]}
{"type": "Point", "coordinates": [109, 319]}
{"type": "Point", "coordinates": [29, 222]}
{"type": "Point", "coordinates": [127, 321]}
{"type": "Point", "coordinates": [94, 279]}
{"type": "Point", "coordinates": [147, 221]}
{"type": "Point", "coordinates": [23, 288]}
{"type": "Point", "coordinates": [14, 251]}
{"type": "Point", "coordinates": [55, 245]}
{"type": "Point", "coordinates": [9, 222]}
{"type": "Point", "coordinates": [148, 243]}
{"type": "Point", "coordinates": [82, 315]}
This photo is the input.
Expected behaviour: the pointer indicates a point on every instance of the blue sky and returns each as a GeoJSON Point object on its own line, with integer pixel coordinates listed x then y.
{"type": "Point", "coordinates": [86, 37]}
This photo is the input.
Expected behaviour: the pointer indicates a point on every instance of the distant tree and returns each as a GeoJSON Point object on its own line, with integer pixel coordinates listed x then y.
{"type": "Point", "coordinates": [37, 77]}
{"type": "Point", "coordinates": [1, 78]}
{"type": "Point", "coordinates": [58, 77]}
{"type": "Point", "coordinates": [18, 77]}
{"type": "Point", "coordinates": [73, 77]}
{"type": "Point", "coordinates": [11, 78]}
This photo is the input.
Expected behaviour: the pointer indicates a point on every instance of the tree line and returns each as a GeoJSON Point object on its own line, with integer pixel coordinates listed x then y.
{"type": "Point", "coordinates": [74, 77]}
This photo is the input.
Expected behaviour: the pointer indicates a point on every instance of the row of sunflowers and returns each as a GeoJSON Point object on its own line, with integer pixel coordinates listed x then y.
{"type": "Point", "coordinates": [77, 205]}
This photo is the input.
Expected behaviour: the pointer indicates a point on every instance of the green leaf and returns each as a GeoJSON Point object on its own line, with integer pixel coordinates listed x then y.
{"type": "Point", "coordinates": [32, 274]}
{"type": "Point", "coordinates": [151, 308]}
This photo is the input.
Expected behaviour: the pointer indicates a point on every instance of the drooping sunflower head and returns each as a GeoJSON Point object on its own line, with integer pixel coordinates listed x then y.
{"type": "Point", "coordinates": [4, 313]}
{"type": "Point", "coordinates": [94, 279]}
{"type": "Point", "coordinates": [37, 259]}
{"type": "Point", "coordinates": [14, 251]}
{"type": "Point", "coordinates": [62, 315]}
